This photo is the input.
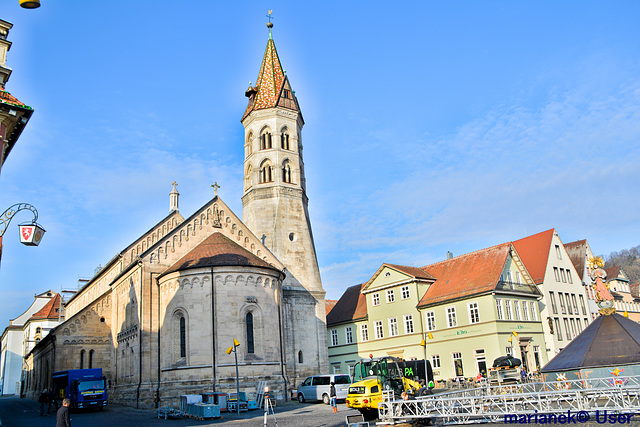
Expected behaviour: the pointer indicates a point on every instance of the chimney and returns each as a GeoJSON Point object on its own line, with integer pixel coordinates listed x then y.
{"type": "Point", "coordinates": [449, 255]}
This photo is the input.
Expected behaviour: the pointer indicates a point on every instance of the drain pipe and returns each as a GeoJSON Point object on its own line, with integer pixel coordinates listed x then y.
{"type": "Point", "coordinates": [213, 332]}
{"type": "Point", "coordinates": [284, 377]}
{"type": "Point", "coordinates": [159, 372]}
{"type": "Point", "coordinates": [140, 329]}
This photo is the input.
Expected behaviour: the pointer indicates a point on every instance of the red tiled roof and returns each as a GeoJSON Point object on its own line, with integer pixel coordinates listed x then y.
{"type": "Point", "coordinates": [416, 272]}
{"type": "Point", "coordinates": [217, 250]}
{"type": "Point", "coordinates": [534, 253]}
{"type": "Point", "coordinates": [51, 309]}
{"type": "Point", "coordinates": [329, 304]}
{"type": "Point", "coordinates": [634, 289]}
{"type": "Point", "coordinates": [267, 92]}
{"type": "Point", "coordinates": [470, 274]}
{"type": "Point", "coordinates": [7, 98]}
{"type": "Point", "coordinates": [351, 306]}
{"type": "Point", "coordinates": [577, 251]}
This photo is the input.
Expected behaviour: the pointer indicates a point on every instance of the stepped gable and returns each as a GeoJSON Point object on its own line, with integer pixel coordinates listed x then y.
{"type": "Point", "coordinates": [610, 340]}
{"type": "Point", "coordinates": [577, 251]}
{"type": "Point", "coordinates": [534, 253]}
{"type": "Point", "coordinates": [351, 306]}
{"type": "Point", "coordinates": [470, 274]}
{"type": "Point", "coordinates": [51, 309]}
{"type": "Point", "coordinates": [218, 250]}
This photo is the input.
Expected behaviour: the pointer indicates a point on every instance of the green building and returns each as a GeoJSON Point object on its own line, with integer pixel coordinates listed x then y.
{"type": "Point", "coordinates": [467, 310]}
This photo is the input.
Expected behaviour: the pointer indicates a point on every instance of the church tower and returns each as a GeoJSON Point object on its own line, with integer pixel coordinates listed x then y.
{"type": "Point", "coordinates": [274, 208]}
{"type": "Point", "coordinates": [275, 199]}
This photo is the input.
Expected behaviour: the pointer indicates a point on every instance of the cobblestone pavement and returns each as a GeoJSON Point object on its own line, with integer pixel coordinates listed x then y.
{"type": "Point", "coordinates": [15, 412]}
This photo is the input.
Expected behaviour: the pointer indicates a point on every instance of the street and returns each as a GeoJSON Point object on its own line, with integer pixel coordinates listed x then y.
{"type": "Point", "coordinates": [15, 412]}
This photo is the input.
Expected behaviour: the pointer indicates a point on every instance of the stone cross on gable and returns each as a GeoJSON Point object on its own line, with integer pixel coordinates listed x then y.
{"type": "Point", "coordinates": [215, 188]}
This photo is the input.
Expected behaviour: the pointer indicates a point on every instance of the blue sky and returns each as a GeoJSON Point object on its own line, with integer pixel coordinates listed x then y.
{"type": "Point", "coordinates": [430, 126]}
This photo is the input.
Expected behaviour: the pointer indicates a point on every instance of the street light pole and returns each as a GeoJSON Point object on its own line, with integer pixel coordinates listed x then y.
{"type": "Point", "coordinates": [233, 348]}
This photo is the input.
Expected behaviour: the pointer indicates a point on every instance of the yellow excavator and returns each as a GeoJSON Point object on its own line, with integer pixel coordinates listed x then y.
{"type": "Point", "coordinates": [373, 375]}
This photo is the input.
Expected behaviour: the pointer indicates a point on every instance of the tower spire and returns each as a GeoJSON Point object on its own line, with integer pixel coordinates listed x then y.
{"type": "Point", "coordinates": [173, 198]}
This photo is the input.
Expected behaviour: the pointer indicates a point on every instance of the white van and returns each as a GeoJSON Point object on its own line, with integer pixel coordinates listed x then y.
{"type": "Point", "coordinates": [317, 387]}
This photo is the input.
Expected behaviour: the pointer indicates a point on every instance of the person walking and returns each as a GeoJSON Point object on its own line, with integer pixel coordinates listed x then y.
{"type": "Point", "coordinates": [333, 395]}
{"type": "Point", "coordinates": [62, 417]}
{"type": "Point", "coordinates": [43, 400]}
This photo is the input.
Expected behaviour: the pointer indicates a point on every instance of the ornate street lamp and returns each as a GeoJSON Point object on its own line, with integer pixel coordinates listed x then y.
{"type": "Point", "coordinates": [30, 233]}
{"type": "Point", "coordinates": [233, 348]}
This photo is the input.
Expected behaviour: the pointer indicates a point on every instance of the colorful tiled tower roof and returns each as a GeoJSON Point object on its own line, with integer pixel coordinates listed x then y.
{"type": "Point", "coordinates": [272, 88]}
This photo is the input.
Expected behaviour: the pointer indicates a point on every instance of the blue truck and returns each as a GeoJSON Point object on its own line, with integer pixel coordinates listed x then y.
{"type": "Point", "coordinates": [86, 388]}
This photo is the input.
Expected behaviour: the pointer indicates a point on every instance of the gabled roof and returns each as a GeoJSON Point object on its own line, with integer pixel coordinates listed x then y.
{"type": "Point", "coordinates": [268, 91]}
{"type": "Point", "coordinates": [51, 309]}
{"type": "Point", "coordinates": [577, 252]}
{"type": "Point", "coordinates": [416, 272]}
{"type": "Point", "coordinates": [351, 306]}
{"type": "Point", "coordinates": [470, 274]}
{"type": "Point", "coordinates": [217, 250]}
{"type": "Point", "coordinates": [118, 256]}
{"type": "Point", "coordinates": [534, 253]}
{"type": "Point", "coordinates": [7, 98]}
{"type": "Point", "coordinates": [329, 304]}
{"type": "Point", "coordinates": [608, 341]}
{"type": "Point", "coordinates": [406, 273]}
{"type": "Point", "coordinates": [615, 273]}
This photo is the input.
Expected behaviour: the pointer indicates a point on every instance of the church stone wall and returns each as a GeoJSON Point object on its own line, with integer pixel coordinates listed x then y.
{"type": "Point", "coordinates": [237, 291]}
{"type": "Point", "coordinates": [302, 328]}
{"type": "Point", "coordinates": [87, 332]}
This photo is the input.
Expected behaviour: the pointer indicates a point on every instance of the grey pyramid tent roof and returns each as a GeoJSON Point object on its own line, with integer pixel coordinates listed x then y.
{"type": "Point", "coordinates": [608, 341]}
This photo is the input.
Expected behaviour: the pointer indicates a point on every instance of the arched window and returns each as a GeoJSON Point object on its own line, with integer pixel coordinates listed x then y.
{"type": "Point", "coordinates": [248, 178]}
{"type": "Point", "coordinates": [286, 172]}
{"type": "Point", "coordinates": [265, 140]}
{"type": "Point", "coordinates": [265, 172]}
{"type": "Point", "coordinates": [183, 337]}
{"type": "Point", "coordinates": [82, 359]}
{"type": "Point", "coordinates": [249, 145]}
{"type": "Point", "coordinates": [250, 343]}
{"type": "Point", "coordinates": [38, 330]}
{"type": "Point", "coordinates": [284, 139]}
{"type": "Point", "coordinates": [91, 358]}
{"type": "Point", "coordinates": [300, 356]}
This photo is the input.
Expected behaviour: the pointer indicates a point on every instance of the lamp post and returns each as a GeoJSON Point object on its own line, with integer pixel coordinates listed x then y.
{"type": "Point", "coordinates": [233, 349]}
{"type": "Point", "coordinates": [423, 343]}
{"type": "Point", "coordinates": [30, 233]}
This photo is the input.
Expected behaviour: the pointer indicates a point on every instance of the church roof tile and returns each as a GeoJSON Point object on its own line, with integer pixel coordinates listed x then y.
{"type": "Point", "coordinates": [217, 250]}
{"type": "Point", "coordinates": [267, 92]}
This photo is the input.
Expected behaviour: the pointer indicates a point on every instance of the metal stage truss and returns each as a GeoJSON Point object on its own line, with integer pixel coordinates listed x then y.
{"type": "Point", "coordinates": [584, 397]}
